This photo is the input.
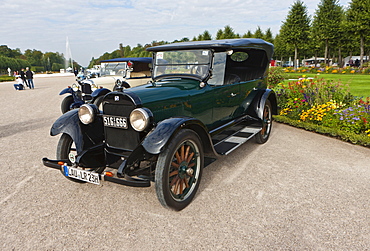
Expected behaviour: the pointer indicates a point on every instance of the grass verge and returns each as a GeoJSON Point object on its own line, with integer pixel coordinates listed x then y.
{"type": "Point", "coordinates": [359, 84]}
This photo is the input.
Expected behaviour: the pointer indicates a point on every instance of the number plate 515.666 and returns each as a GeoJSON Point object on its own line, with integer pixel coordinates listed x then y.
{"type": "Point", "coordinates": [115, 121]}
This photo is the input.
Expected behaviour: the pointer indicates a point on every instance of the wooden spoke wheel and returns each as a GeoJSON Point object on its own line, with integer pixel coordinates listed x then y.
{"type": "Point", "coordinates": [179, 169]}
{"type": "Point", "coordinates": [264, 134]}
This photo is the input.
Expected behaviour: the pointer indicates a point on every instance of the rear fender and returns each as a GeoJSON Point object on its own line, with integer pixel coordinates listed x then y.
{"type": "Point", "coordinates": [160, 136]}
{"type": "Point", "coordinates": [267, 94]}
{"type": "Point", "coordinates": [84, 136]}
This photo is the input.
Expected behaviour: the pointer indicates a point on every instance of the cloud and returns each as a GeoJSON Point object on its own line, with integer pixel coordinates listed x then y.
{"type": "Point", "coordinates": [96, 26]}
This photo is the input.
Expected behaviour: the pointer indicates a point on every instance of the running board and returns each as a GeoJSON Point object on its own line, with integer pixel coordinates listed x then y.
{"type": "Point", "coordinates": [231, 142]}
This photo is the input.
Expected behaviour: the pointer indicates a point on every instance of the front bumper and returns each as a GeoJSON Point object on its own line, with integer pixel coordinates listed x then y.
{"type": "Point", "coordinates": [127, 181]}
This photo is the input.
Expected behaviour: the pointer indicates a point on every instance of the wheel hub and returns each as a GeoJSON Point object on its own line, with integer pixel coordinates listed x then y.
{"type": "Point", "coordinates": [183, 169]}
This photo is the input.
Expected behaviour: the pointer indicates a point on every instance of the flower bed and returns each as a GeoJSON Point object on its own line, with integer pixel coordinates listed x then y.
{"type": "Point", "coordinates": [326, 107]}
{"type": "Point", "coordinates": [331, 69]}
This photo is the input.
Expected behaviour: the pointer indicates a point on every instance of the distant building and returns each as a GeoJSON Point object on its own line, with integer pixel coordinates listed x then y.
{"type": "Point", "coordinates": [350, 60]}
{"type": "Point", "coordinates": [310, 62]}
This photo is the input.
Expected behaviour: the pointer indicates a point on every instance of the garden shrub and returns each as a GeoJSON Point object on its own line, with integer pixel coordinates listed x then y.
{"type": "Point", "coordinates": [275, 76]}
{"type": "Point", "coordinates": [326, 107]}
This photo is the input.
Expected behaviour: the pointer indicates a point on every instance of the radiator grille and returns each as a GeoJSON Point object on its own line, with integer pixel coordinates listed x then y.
{"type": "Point", "coordinates": [126, 139]}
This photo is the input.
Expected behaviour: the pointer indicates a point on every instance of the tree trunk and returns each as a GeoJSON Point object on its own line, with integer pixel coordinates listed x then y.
{"type": "Point", "coordinates": [326, 52]}
{"type": "Point", "coordinates": [362, 51]}
{"type": "Point", "coordinates": [295, 57]}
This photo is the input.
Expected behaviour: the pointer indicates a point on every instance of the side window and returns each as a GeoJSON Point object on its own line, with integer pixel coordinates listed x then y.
{"type": "Point", "coordinates": [245, 65]}
{"type": "Point", "coordinates": [239, 56]}
{"type": "Point", "coordinates": [218, 73]}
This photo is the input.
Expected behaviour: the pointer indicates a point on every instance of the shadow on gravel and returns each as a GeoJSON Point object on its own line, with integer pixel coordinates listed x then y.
{"type": "Point", "coordinates": [229, 162]}
{"type": "Point", "coordinates": [23, 126]}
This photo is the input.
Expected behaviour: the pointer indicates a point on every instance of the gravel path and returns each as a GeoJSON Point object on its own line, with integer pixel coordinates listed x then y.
{"type": "Point", "coordinates": [299, 191]}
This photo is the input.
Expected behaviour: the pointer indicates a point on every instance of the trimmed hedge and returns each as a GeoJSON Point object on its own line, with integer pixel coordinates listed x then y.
{"type": "Point", "coordinates": [6, 78]}
{"type": "Point", "coordinates": [353, 138]}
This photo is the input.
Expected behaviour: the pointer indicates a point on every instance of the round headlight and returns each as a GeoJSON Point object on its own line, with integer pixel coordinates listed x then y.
{"type": "Point", "coordinates": [86, 114]}
{"type": "Point", "coordinates": [139, 119]}
{"type": "Point", "coordinates": [75, 87]}
{"type": "Point", "coordinates": [94, 87]}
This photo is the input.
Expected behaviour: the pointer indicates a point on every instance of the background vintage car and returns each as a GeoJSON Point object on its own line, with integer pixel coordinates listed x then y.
{"type": "Point", "coordinates": [112, 70]}
{"type": "Point", "coordinates": [206, 99]}
{"type": "Point", "coordinates": [126, 72]}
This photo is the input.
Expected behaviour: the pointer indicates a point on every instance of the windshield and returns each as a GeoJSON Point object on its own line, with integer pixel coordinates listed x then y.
{"type": "Point", "coordinates": [194, 63]}
{"type": "Point", "coordinates": [117, 69]}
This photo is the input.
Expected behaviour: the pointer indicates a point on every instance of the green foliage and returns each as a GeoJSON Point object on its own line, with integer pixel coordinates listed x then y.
{"type": "Point", "coordinates": [15, 60]}
{"type": "Point", "coordinates": [37, 68]}
{"type": "Point", "coordinates": [326, 28]}
{"type": "Point", "coordinates": [34, 57]}
{"type": "Point", "coordinates": [258, 33]}
{"type": "Point", "coordinates": [249, 34]}
{"type": "Point", "coordinates": [358, 20]}
{"type": "Point", "coordinates": [7, 52]}
{"type": "Point", "coordinates": [228, 32]}
{"type": "Point", "coordinates": [358, 80]}
{"type": "Point", "coordinates": [295, 29]}
{"type": "Point", "coordinates": [205, 36]}
{"type": "Point", "coordinates": [268, 36]}
{"type": "Point", "coordinates": [5, 78]}
{"type": "Point", "coordinates": [359, 139]}
{"type": "Point", "coordinates": [12, 63]}
{"type": "Point", "coordinates": [275, 76]}
{"type": "Point", "coordinates": [57, 67]}
{"type": "Point", "coordinates": [358, 17]}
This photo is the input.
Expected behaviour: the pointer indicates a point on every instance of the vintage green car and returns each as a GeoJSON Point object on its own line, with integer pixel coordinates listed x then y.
{"type": "Point", "coordinates": [206, 99]}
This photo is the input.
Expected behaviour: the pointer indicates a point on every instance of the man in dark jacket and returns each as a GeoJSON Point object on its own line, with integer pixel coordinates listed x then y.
{"type": "Point", "coordinates": [23, 77]}
{"type": "Point", "coordinates": [29, 76]}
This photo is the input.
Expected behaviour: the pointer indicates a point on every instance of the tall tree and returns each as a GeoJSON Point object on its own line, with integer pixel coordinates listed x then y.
{"type": "Point", "coordinates": [358, 21]}
{"type": "Point", "coordinates": [121, 50]}
{"type": "Point", "coordinates": [295, 30]}
{"type": "Point", "coordinates": [258, 33]}
{"type": "Point", "coordinates": [268, 36]}
{"type": "Point", "coordinates": [34, 57]}
{"type": "Point", "coordinates": [219, 34]}
{"type": "Point", "coordinates": [326, 24]}
{"type": "Point", "coordinates": [228, 32]}
{"type": "Point", "coordinates": [206, 35]}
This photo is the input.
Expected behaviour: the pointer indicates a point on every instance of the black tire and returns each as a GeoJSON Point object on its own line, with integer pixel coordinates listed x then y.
{"type": "Point", "coordinates": [66, 103]}
{"type": "Point", "coordinates": [99, 102]}
{"type": "Point", "coordinates": [65, 148]}
{"type": "Point", "coordinates": [264, 134]}
{"type": "Point", "coordinates": [179, 170]}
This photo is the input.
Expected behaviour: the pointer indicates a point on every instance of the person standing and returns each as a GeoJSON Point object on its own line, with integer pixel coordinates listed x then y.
{"type": "Point", "coordinates": [29, 76]}
{"type": "Point", "coordinates": [23, 77]}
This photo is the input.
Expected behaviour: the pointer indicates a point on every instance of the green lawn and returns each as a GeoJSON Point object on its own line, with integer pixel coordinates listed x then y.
{"type": "Point", "coordinates": [359, 84]}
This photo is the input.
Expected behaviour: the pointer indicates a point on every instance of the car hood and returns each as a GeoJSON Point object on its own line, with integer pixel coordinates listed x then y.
{"type": "Point", "coordinates": [178, 90]}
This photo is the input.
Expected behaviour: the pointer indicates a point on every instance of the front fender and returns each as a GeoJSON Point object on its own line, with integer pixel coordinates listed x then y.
{"type": "Point", "coordinates": [84, 136]}
{"type": "Point", "coordinates": [99, 92]}
{"type": "Point", "coordinates": [66, 90]}
{"type": "Point", "coordinates": [155, 142]}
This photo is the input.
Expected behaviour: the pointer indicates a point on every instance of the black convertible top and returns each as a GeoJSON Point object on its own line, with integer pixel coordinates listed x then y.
{"type": "Point", "coordinates": [219, 45]}
{"type": "Point", "coordinates": [143, 60]}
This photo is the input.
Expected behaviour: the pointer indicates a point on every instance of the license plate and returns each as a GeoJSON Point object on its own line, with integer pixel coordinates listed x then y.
{"type": "Point", "coordinates": [80, 174]}
{"type": "Point", "coordinates": [115, 121]}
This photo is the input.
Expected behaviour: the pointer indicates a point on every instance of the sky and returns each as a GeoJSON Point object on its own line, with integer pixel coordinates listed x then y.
{"type": "Point", "coordinates": [94, 27]}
